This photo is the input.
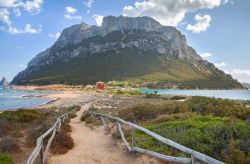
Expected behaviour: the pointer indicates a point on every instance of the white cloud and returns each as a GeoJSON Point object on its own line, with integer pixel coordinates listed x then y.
{"type": "Point", "coordinates": [205, 55]}
{"type": "Point", "coordinates": [239, 72]}
{"type": "Point", "coordinates": [201, 25]}
{"type": "Point", "coordinates": [32, 6]}
{"type": "Point", "coordinates": [56, 35]}
{"type": "Point", "coordinates": [70, 10]}
{"type": "Point", "coordinates": [98, 19]}
{"type": "Point", "coordinates": [169, 12]}
{"type": "Point", "coordinates": [5, 16]}
{"type": "Point", "coordinates": [88, 11]}
{"type": "Point", "coordinates": [243, 75]}
{"type": "Point", "coordinates": [28, 29]}
{"type": "Point", "coordinates": [70, 13]}
{"type": "Point", "coordinates": [221, 64]}
{"type": "Point", "coordinates": [71, 17]}
{"type": "Point", "coordinates": [88, 3]}
{"type": "Point", "coordinates": [14, 7]}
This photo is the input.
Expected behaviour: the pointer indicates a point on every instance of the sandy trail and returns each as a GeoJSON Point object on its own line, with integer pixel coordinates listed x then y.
{"type": "Point", "coordinates": [93, 146]}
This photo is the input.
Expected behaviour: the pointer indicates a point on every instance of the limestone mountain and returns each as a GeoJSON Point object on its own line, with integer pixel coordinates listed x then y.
{"type": "Point", "coordinates": [125, 49]}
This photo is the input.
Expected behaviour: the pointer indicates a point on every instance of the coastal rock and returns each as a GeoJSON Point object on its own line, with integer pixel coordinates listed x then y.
{"type": "Point", "coordinates": [4, 81]}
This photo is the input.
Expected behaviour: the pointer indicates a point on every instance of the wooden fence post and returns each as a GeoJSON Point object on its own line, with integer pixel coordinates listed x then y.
{"type": "Point", "coordinates": [104, 123]}
{"type": "Point", "coordinates": [107, 122]}
{"type": "Point", "coordinates": [193, 161]}
{"type": "Point", "coordinates": [59, 125]}
{"type": "Point", "coordinates": [117, 130]}
{"type": "Point", "coordinates": [133, 136]}
{"type": "Point", "coordinates": [41, 153]}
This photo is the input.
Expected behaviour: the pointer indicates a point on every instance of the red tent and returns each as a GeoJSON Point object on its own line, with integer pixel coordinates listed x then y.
{"type": "Point", "coordinates": [100, 85]}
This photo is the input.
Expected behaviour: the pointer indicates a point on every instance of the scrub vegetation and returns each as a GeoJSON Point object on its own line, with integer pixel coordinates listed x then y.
{"type": "Point", "coordinates": [19, 130]}
{"type": "Point", "coordinates": [217, 127]}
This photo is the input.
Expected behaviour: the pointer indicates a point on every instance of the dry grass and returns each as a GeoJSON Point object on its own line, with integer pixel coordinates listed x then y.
{"type": "Point", "coordinates": [9, 145]}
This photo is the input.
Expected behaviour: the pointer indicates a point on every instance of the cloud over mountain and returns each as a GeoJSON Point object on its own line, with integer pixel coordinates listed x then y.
{"type": "Point", "coordinates": [170, 12]}
{"type": "Point", "coordinates": [201, 25]}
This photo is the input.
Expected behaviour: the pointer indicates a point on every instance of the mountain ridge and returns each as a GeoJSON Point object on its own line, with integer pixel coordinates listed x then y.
{"type": "Point", "coordinates": [143, 37]}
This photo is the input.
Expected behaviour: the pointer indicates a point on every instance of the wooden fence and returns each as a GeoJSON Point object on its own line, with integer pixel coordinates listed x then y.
{"type": "Point", "coordinates": [195, 157]}
{"type": "Point", "coordinates": [41, 150]}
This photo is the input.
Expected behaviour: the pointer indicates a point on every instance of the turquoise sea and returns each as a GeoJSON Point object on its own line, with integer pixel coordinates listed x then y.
{"type": "Point", "coordinates": [225, 94]}
{"type": "Point", "coordinates": [13, 99]}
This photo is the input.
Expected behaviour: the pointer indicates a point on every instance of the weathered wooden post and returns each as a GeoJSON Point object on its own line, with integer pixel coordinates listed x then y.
{"type": "Point", "coordinates": [133, 136]}
{"type": "Point", "coordinates": [92, 117]}
{"type": "Point", "coordinates": [193, 161]}
{"type": "Point", "coordinates": [107, 123]}
{"type": "Point", "coordinates": [117, 130]}
{"type": "Point", "coordinates": [41, 153]}
{"type": "Point", "coordinates": [59, 125]}
{"type": "Point", "coordinates": [103, 122]}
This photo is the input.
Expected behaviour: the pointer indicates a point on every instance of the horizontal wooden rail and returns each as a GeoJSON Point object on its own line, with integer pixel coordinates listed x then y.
{"type": "Point", "coordinates": [39, 149]}
{"type": "Point", "coordinates": [194, 154]}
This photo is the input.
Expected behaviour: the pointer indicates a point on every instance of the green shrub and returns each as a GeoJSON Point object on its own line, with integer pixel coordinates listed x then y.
{"type": "Point", "coordinates": [146, 112]}
{"type": "Point", "coordinates": [206, 134]}
{"type": "Point", "coordinates": [177, 98]}
{"type": "Point", "coordinates": [152, 95]}
{"type": "Point", "coordinates": [219, 107]}
{"type": "Point", "coordinates": [22, 115]}
{"type": "Point", "coordinates": [173, 117]}
{"type": "Point", "coordinates": [5, 159]}
{"type": "Point", "coordinates": [86, 115]}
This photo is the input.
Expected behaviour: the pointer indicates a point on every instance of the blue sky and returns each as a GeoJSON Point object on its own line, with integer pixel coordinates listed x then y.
{"type": "Point", "coordinates": [219, 30]}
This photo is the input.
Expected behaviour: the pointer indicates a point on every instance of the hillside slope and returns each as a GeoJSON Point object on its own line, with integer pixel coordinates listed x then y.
{"type": "Point", "coordinates": [125, 49]}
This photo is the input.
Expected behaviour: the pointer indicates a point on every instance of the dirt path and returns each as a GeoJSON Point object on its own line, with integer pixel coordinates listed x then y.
{"type": "Point", "coordinates": [93, 146]}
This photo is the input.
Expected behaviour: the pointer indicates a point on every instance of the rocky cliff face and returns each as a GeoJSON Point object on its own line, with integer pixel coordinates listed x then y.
{"type": "Point", "coordinates": [164, 40]}
{"type": "Point", "coordinates": [116, 36]}
{"type": "Point", "coordinates": [4, 81]}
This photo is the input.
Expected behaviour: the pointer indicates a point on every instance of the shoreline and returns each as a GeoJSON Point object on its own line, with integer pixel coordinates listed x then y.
{"type": "Point", "coordinates": [66, 95]}
{"type": "Point", "coordinates": [56, 96]}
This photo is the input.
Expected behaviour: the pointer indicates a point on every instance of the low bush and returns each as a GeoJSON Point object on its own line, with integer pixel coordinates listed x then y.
{"type": "Point", "coordinates": [87, 116]}
{"type": "Point", "coordinates": [152, 95]}
{"type": "Point", "coordinates": [5, 159]}
{"type": "Point", "coordinates": [146, 112]}
{"type": "Point", "coordinates": [206, 134]}
{"type": "Point", "coordinates": [127, 92]}
{"type": "Point", "coordinates": [200, 105]}
{"type": "Point", "coordinates": [22, 115]}
{"type": "Point", "coordinates": [219, 107]}
{"type": "Point", "coordinates": [62, 143]}
{"type": "Point", "coordinates": [9, 145]}
{"type": "Point", "coordinates": [173, 117]}
{"type": "Point", "coordinates": [66, 128]}
{"type": "Point", "coordinates": [177, 98]}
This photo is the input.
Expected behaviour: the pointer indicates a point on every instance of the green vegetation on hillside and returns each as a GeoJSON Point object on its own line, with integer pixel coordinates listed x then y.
{"type": "Point", "coordinates": [133, 67]}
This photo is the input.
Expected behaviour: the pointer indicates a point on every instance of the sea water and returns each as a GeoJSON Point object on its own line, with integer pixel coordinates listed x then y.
{"type": "Point", "coordinates": [225, 94]}
{"type": "Point", "coordinates": [15, 98]}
